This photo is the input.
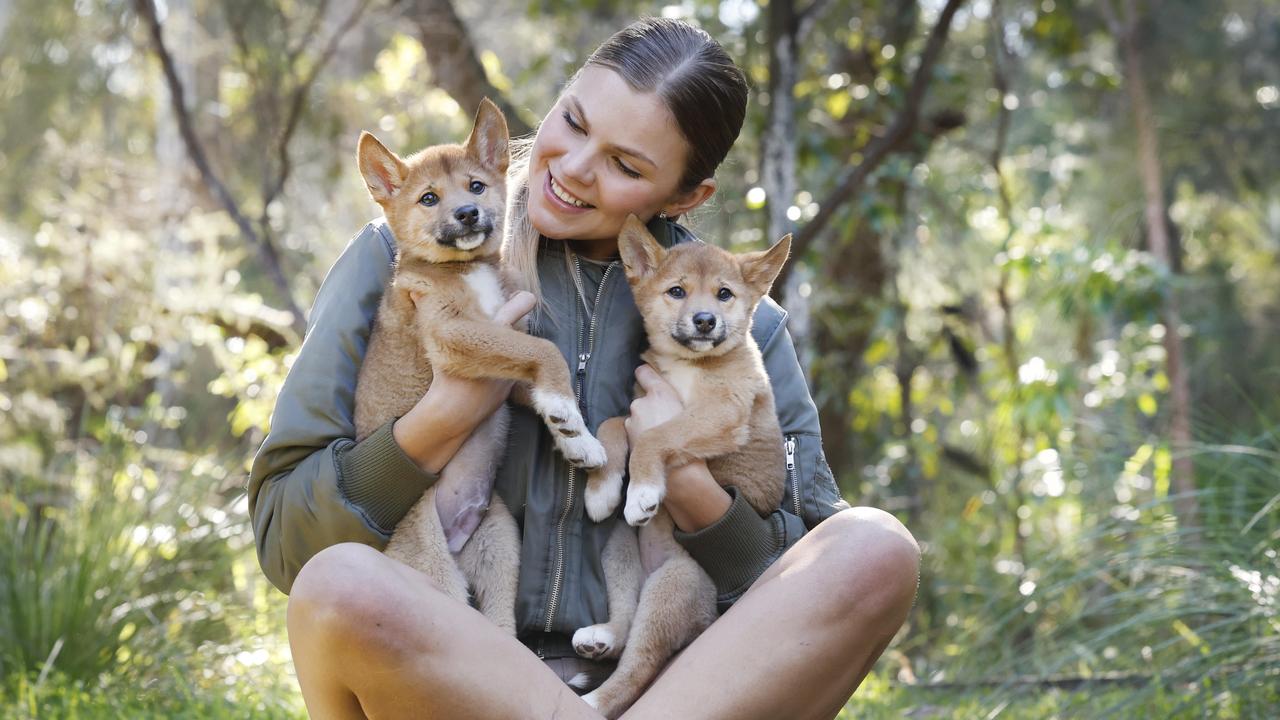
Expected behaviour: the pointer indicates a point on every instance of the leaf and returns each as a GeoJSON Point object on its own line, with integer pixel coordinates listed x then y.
{"type": "Point", "coordinates": [1147, 404]}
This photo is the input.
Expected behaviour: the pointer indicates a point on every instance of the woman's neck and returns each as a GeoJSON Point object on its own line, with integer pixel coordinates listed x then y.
{"type": "Point", "coordinates": [606, 249]}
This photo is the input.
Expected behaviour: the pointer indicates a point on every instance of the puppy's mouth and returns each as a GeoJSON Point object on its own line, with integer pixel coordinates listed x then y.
{"type": "Point", "coordinates": [699, 342]}
{"type": "Point", "coordinates": [464, 237]}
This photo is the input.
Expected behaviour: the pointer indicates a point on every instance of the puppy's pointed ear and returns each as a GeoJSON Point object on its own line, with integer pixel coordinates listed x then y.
{"type": "Point", "coordinates": [487, 143]}
{"type": "Point", "coordinates": [383, 171]}
{"type": "Point", "coordinates": [760, 269]}
{"type": "Point", "coordinates": [640, 251]}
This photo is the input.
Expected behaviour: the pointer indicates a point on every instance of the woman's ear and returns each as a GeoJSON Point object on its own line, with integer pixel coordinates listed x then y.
{"type": "Point", "coordinates": [685, 203]}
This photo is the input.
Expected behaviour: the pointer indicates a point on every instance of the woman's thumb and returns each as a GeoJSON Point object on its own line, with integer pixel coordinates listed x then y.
{"type": "Point", "coordinates": [515, 309]}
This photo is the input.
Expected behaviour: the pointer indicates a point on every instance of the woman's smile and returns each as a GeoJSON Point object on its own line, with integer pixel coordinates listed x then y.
{"type": "Point", "coordinates": [567, 200]}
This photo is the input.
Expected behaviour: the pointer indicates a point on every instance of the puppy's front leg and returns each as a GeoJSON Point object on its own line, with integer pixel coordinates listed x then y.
{"type": "Point", "coordinates": [604, 484]}
{"type": "Point", "coordinates": [698, 434]}
{"type": "Point", "coordinates": [476, 350]}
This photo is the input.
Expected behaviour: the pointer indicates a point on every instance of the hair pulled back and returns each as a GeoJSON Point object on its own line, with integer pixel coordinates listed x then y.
{"type": "Point", "coordinates": [696, 79]}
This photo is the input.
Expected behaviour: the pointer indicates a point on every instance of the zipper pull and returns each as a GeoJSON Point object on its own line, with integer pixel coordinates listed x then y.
{"type": "Point", "coordinates": [582, 362]}
{"type": "Point", "coordinates": [791, 453]}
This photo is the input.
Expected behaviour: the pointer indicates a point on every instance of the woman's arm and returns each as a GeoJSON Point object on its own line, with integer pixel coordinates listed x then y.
{"type": "Point", "coordinates": [311, 485]}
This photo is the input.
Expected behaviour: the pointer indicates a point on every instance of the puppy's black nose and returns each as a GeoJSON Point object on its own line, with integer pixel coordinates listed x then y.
{"type": "Point", "coordinates": [705, 322]}
{"type": "Point", "coordinates": [467, 214]}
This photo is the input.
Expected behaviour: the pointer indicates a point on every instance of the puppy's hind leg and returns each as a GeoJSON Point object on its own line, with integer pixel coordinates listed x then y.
{"type": "Point", "coordinates": [491, 561]}
{"type": "Point", "coordinates": [677, 603]}
{"type": "Point", "coordinates": [419, 542]}
{"type": "Point", "coordinates": [622, 575]}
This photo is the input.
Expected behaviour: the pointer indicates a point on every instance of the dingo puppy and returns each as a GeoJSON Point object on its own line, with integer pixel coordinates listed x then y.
{"type": "Point", "coordinates": [445, 205]}
{"type": "Point", "coordinates": [697, 302]}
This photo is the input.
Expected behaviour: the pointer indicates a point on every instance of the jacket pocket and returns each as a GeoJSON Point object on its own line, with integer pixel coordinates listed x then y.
{"type": "Point", "coordinates": [812, 490]}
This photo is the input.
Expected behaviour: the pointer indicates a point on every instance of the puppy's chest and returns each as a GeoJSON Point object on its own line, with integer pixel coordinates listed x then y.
{"type": "Point", "coordinates": [684, 378]}
{"type": "Point", "coordinates": [485, 287]}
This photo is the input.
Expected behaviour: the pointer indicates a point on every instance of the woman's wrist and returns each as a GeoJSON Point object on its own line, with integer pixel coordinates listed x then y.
{"type": "Point", "coordinates": [433, 429]}
{"type": "Point", "coordinates": [694, 498]}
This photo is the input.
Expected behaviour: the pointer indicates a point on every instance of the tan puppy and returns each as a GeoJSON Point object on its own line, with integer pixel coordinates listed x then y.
{"type": "Point", "coordinates": [445, 205]}
{"type": "Point", "coordinates": [697, 302]}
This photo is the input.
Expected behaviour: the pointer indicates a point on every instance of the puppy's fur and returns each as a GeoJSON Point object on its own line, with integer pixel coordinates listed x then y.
{"type": "Point", "coordinates": [445, 205]}
{"type": "Point", "coordinates": [697, 302]}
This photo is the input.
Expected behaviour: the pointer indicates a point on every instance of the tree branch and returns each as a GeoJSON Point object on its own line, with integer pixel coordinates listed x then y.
{"type": "Point", "coordinates": [875, 152]}
{"type": "Point", "coordinates": [455, 65]}
{"type": "Point", "coordinates": [298, 103]}
{"type": "Point", "coordinates": [147, 11]}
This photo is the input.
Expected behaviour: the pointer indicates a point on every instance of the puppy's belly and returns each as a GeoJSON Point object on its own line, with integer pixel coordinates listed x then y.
{"type": "Point", "coordinates": [657, 543]}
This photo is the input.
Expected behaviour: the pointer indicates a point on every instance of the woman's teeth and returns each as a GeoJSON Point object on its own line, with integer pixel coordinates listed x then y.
{"type": "Point", "coordinates": [564, 195]}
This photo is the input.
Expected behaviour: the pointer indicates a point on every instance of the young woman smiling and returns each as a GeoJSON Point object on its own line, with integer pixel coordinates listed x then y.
{"type": "Point", "coordinates": [811, 594]}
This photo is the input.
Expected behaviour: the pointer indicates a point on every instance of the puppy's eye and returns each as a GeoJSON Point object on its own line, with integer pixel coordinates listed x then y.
{"type": "Point", "coordinates": [676, 292]}
{"type": "Point", "coordinates": [725, 295]}
{"type": "Point", "coordinates": [477, 187]}
{"type": "Point", "coordinates": [429, 199]}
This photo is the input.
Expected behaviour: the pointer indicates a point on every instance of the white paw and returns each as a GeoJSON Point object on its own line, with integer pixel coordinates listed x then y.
{"type": "Point", "coordinates": [643, 502]}
{"type": "Point", "coordinates": [564, 421]}
{"type": "Point", "coordinates": [602, 498]}
{"type": "Point", "coordinates": [593, 642]}
{"type": "Point", "coordinates": [592, 699]}
{"type": "Point", "coordinates": [583, 451]}
{"type": "Point", "coordinates": [579, 681]}
{"type": "Point", "coordinates": [556, 408]}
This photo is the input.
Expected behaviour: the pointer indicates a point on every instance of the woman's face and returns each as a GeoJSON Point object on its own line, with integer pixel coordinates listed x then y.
{"type": "Point", "coordinates": [603, 152]}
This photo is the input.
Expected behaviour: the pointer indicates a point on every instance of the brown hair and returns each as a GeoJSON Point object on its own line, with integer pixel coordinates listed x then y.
{"type": "Point", "coordinates": [699, 83]}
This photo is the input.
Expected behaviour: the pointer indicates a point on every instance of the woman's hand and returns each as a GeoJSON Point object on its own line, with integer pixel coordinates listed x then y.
{"type": "Point", "coordinates": [452, 407]}
{"type": "Point", "coordinates": [693, 498]}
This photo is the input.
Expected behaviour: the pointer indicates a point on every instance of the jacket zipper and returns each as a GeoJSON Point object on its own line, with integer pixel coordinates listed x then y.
{"type": "Point", "coordinates": [583, 357]}
{"type": "Point", "coordinates": [791, 472]}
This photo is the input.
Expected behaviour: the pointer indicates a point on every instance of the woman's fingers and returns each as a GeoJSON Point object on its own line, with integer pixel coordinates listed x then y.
{"type": "Point", "coordinates": [514, 310]}
{"type": "Point", "coordinates": [651, 381]}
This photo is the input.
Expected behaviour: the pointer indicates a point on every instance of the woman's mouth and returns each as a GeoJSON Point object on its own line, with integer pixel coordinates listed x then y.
{"type": "Point", "coordinates": [563, 198]}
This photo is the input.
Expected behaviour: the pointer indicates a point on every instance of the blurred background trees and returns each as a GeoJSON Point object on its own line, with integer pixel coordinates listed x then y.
{"type": "Point", "coordinates": [1077, 420]}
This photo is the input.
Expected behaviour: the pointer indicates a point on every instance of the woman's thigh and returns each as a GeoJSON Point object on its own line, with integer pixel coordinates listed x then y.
{"type": "Point", "coordinates": [373, 637]}
{"type": "Point", "coordinates": [801, 639]}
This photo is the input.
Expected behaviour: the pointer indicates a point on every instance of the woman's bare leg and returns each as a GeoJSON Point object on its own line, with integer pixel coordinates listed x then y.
{"type": "Point", "coordinates": [373, 638]}
{"type": "Point", "coordinates": [801, 639]}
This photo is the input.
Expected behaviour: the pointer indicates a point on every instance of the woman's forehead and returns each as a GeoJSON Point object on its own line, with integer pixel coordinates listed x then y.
{"type": "Point", "coordinates": [622, 117]}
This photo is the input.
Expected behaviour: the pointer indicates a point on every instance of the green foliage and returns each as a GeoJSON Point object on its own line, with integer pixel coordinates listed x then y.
{"type": "Point", "coordinates": [984, 336]}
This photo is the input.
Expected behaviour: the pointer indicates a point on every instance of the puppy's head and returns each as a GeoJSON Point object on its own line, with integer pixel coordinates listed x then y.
{"type": "Point", "coordinates": [696, 299]}
{"type": "Point", "coordinates": [445, 203]}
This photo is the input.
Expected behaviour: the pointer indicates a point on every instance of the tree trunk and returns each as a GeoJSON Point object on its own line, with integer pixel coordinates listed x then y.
{"type": "Point", "coordinates": [1183, 482]}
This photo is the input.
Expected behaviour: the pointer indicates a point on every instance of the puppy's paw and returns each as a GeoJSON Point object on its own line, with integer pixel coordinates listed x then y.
{"type": "Point", "coordinates": [593, 699]}
{"type": "Point", "coordinates": [594, 642]}
{"type": "Point", "coordinates": [602, 498]}
{"type": "Point", "coordinates": [583, 451]}
{"type": "Point", "coordinates": [643, 502]}
{"type": "Point", "coordinates": [560, 412]}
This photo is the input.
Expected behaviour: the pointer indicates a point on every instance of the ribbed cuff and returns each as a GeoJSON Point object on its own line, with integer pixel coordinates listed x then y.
{"type": "Point", "coordinates": [378, 477]}
{"type": "Point", "coordinates": [735, 549]}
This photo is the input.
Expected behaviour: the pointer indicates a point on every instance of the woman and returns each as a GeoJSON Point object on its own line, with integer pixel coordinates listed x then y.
{"type": "Point", "coordinates": [812, 594]}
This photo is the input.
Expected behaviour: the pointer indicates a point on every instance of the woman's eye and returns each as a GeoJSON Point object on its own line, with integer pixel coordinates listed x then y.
{"type": "Point", "coordinates": [477, 187]}
{"type": "Point", "coordinates": [569, 119]}
{"type": "Point", "coordinates": [676, 292]}
{"type": "Point", "coordinates": [429, 199]}
{"type": "Point", "coordinates": [626, 170]}
{"type": "Point", "coordinates": [725, 294]}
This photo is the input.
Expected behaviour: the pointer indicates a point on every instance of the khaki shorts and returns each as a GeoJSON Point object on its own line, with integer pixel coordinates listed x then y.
{"type": "Point", "coordinates": [590, 674]}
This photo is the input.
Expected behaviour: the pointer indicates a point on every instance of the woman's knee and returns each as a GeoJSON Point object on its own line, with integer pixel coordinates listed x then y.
{"type": "Point", "coordinates": [350, 595]}
{"type": "Point", "coordinates": [875, 559]}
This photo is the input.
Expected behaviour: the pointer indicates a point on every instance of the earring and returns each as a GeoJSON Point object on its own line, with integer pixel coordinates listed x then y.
{"type": "Point", "coordinates": [663, 214]}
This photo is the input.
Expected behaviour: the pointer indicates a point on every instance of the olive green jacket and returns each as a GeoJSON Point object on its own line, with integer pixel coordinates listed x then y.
{"type": "Point", "coordinates": [312, 485]}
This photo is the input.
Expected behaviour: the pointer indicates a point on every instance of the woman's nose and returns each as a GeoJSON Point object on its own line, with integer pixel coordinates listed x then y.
{"type": "Point", "coordinates": [576, 165]}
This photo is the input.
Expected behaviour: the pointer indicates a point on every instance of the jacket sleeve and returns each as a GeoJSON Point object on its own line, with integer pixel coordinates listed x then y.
{"type": "Point", "coordinates": [738, 547]}
{"type": "Point", "coordinates": [311, 485]}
